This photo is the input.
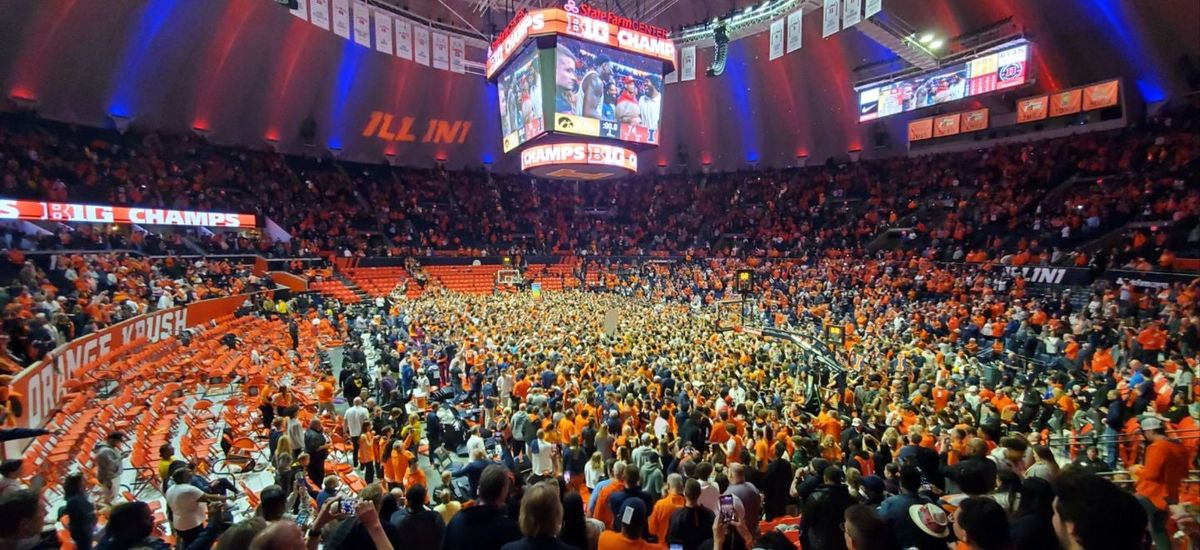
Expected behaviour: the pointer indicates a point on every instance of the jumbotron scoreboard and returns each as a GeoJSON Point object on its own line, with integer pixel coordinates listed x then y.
{"type": "Point", "coordinates": [580, 90]}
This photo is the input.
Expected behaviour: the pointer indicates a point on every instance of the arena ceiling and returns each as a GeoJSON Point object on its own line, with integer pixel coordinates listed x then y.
{"type": "Point", "coordinates": [246, 72]}
{"type": "Point", "coordinates": [1147, 29]}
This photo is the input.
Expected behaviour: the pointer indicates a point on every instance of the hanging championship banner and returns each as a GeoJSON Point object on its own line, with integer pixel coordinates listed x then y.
{"type": "Point", "coordinates": [301, 10]}
{"type": "Point", "coordinates": [320, 13]}
{"type": "Point", "coordinates": [873, 7]}
{"type": "Point", "coordinates": [852, 13]}
{"type": "Point", "coordinates": [1099, 96]}
{"type": "Point", "coordinates": [920, 129]}
{"type": "Point", "coordinates": [362, 24]}
{"type": "Point", "coordinates": [458, 53]}
{"type": "Point", "coordinates": [795, 30]}
{"type": "Point", "coordinates": [832, 21]}
{"type": "Point", "coordinates": [973, 121]}
{"type": "Point", "coordinates": [441, 51]}
{"type": "Point", "coordinates": [341, 18]}
{"type": "Point", "coordinates": [421, 45]}
{"type": "Point", "coordinates": [1031, 109]}
{"type": "Point", "coordinates": [688, 72]}
{"type": "Point", "coordinates": [776, 39]}
{"type": "Point", "coordinates": [404, 45]}
{"type": "Point", "coordinates": [383, 32]}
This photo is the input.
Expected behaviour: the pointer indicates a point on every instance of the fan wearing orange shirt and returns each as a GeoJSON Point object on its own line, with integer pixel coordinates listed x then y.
{"type": "Point", "coordinates": [325, 392]}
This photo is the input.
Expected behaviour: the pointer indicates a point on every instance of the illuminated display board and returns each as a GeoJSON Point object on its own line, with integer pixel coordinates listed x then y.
{"type": "Point", "coordinates": [92, 213]}
{"type": "Point", "coordinates": [999, 70]}
{"type": "Point", "coordinates": [522, 115]}
{"type": "Point", "coordinates": [582, 161]}
{"type": "Point", "coordinates": [585, 23]}
{"type": "Point", "coordinates": [606, 93]}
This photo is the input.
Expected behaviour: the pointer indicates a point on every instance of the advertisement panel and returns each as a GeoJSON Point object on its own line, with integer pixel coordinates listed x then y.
{"type": "Point", "coordinates": [619, 90]}
{"type": "Point", "coordinates": [1032, 108]}
{"type": "Point", "coordinates": [1065, 103]}
{"type": "Point", "coordinates": [999, 70]}
{"type": "Point", "coordinates": [1099, 96]}
{"type": "Point", "coordinates": [1148, 279]}
{"type": "Point", "coordinates": [12, 209]}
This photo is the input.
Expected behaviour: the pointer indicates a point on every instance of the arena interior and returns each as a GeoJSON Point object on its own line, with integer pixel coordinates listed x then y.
{"type": "Point", "coordinates": [600, 274]}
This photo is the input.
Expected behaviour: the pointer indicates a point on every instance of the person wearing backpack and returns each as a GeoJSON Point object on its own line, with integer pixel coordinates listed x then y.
{"type": "Point", "coordinates": [418, 526]}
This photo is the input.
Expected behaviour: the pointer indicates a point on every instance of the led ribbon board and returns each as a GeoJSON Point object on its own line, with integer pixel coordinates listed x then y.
{"type": "Point", "coordinates": [585, 23]}
{"type": "Point", "coordinates": [92, 213]}
{"type": "Point", "coordinates": [578, 161]}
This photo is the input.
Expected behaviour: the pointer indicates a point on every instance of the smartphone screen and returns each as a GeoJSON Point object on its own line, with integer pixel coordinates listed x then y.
{"type": "Point", "coordinates": [349, 506]}
{"type": "Point", "coordinates": [726, 508]}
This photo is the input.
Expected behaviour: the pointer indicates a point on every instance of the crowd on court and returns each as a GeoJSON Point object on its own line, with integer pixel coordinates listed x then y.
{"type": "Point", "coordinates": [662, 431]}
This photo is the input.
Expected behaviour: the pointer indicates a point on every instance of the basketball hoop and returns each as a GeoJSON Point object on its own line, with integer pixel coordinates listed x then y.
{"type": "Point", "coordinates": [508, 277]}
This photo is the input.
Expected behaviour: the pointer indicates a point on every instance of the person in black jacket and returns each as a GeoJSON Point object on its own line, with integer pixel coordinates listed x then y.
{"type": "Point", "coordinates": [484, 526]}
{"type": "Point", "coordinates": [633, 489]}
{"type": "Point", "coordinates": [80, 512]}
{"type": "Point", "coordinates": [419, 527]}
{"type": "Point", "coordinates": [691, 525]}
{"type": "Point", "coordinates": [821, 523]}
{"type": "Point", "coordinates": [776, 483]}
{"type": "Point", "coordinates": [541, 520]}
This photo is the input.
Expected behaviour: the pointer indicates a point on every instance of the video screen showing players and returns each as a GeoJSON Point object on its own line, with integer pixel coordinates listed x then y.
{"type": "Point", "coordinates": [1006, 68]}
{"type": "Point", "coordinates": [520, 90]}
{"type": "Point", "coordinates": [602, 92]}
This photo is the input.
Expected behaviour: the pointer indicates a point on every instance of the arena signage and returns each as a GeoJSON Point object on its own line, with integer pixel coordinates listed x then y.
{"type": "Point", "coordinates": [578, 161]}
{"type": "Point", "coordinates": [91, 213]}
{"type": "Point", "coordinates": [578, 153]}
{"type": "Point", "coordinates": [624, 34]}
{"type": "Point", "coordinates": [42, 386]}
{"type": "Point", "coordinates": [1050, 275]}
{"type": "Point", "coordinates": [406, 129]}
{"type": "Point", "coordinates": [587, 10]}
{"type": "Point", "coordinates": [1148, 279]}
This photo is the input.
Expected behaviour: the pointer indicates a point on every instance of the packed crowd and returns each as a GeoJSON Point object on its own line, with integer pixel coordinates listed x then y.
{"type": "Point", "coordinates": [964, 409]}
{"type": "Point", "coordinates": [52, 299]}
{"type": "Point", "coordinates": [1005, 201]}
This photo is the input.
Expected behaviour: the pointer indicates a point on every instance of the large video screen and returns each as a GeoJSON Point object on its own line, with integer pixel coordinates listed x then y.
{"type": "Point", "coordinates": [603, 92]}
{"type": "Point", "coordinates": [520, 87]}
{"type": "Point", "coordinates": [1003, 69]}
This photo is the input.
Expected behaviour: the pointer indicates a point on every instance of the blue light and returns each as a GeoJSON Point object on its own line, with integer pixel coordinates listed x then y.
{"type": "Point", "coordinates": [739, 81]}
{"type": "Point", "coordinates": [352, 56]}
{"type": "Point", "coordinates": [488, 159]}
{"type": "Point", "coordinates": [1132, 45]}
{"type": "Point", "coordinates": [752, 157]}
{"type": "Point", "coordinates": [156, 15]}
{"type": "Point", "coordinates": [1150, 92]}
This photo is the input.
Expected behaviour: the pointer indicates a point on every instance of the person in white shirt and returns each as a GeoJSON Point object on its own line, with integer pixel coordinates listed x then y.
{"type": "Point", "coordinates": [662, 426]}
{"type": "Point", "coordinates": [542, 459]}
{"type": "Point", "coordinates": [651, 105]}
{"type": "Point", "coordinates": [355, 417]}
{"type": "Point", "coordinates": [505, 385]}
{"type": "Point", "coordinates": [188, 506]}
{"type": "Point", "coordinates": [710, 494]}
{"type": "Point", "coordinates": [475, 442]}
